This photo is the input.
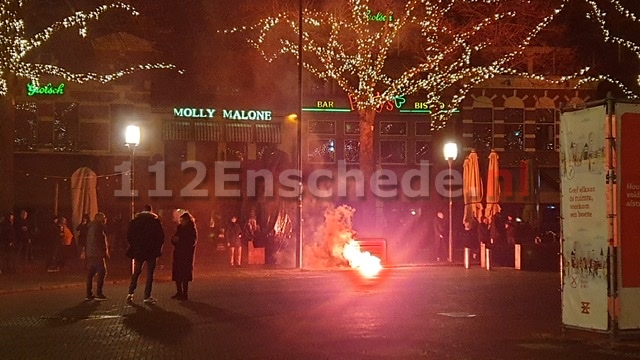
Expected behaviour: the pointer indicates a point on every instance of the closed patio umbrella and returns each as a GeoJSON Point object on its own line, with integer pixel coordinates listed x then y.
{"type": "Point", "coordinates": [472, 188]}
{"type": "Point", "coordinates": [84, 196]}
{"type": "Point", "coordinates": [493, 187]}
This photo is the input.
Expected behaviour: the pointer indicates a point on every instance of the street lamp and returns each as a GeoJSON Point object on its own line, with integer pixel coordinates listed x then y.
{"type": "Point", "coordinates": [132, 139]}
{"type": "Point", "coordinates": [299, 133]}
{"type": "Point", "coordinates": [450, 154]}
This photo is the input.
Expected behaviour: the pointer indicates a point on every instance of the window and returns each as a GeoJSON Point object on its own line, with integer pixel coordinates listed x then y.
{"type": "Point", "coordinates": [322, 151]}
{"type": "Point", "coordinates": [65, 127]}
{"type": "Point", "coordinates": [236, 151]}
{"type": "Point", "coordinates": [322, 127]}
{"type": "Point", "coordinates": [26, 126]}
{"type": "Point", "coordinates": [351, 128]}
{"type": "Point", "coordinates": [393, 152]}
{"type": "Point", "coordinates": [546, 129]}
{"type": "Point", "coordinates": [424, 151]}
{"type": "Point", "coordinates": [393, 128]}
{"type": "Point", "coordinates": [514, 137]}
{"type": "Point", "coordinates": [266, 151]}
{"type": "Point", "coordinates": [545, 137]}
{"type": "Point", "coordinates": [482, 137]}
{"type": "Point", "coordinates": [352, 151]}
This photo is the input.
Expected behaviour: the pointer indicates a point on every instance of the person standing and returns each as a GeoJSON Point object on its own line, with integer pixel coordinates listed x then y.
{"type": "Point", "coordinates": [82, 229]}
{"type": "Point", "coordinates": [145, 237]}
{"type": "Point", "coordinates": [233, 234]}
{"type": "Point", "coordinates": [69, 253]}
{"type": "Point", "coordinates": [9, 243]}
{"type": "Point", "coordinates": [95, 252]}
{"type": "Point", "coordinates": [184, 242]}
{"type": "Point", "coordinates": [484, 235]}
{"type": "Point", "coordinates": [440, 231]}
{"type": "Point", "coordinates": [23, 235]}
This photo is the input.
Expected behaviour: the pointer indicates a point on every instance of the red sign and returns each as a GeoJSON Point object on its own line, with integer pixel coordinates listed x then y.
{"type": "Point", "coordinates": [630, 198]}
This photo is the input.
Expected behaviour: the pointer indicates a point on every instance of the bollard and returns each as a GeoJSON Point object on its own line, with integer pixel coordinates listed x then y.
{"type": "Point", "coordinates": [483, 251]}
{"type": "Point", "coordinates": [467, 254]}
{"type": "Point", "coordinates": [488, 259]}
{"type": "Point", "coordinates": [518, 257]}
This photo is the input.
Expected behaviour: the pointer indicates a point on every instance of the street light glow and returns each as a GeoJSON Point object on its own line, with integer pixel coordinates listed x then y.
{"type": "Point", "coordinates": [450, 151]}
{"type": "Point", "coordinates": [132, 135]}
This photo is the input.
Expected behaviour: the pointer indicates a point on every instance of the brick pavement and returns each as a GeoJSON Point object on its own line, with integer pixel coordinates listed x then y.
{"type": "Point", "coordinates": [251, 313]}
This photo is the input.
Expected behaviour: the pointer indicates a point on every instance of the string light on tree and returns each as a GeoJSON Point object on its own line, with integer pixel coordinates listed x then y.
{"type": "Point", "coordinates": [354, 51]}
{"type": "Point", "coordinates": [17, 45]}
{"type": "Point", "coordinates": [439, 49]}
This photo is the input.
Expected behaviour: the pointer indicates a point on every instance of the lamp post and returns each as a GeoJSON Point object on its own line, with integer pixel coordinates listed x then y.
{"type": "Point", "coordinates": [132, 139]}
{"type": "Point", "coordinates": [450, 154]}
{"type": "Point", "coordinates": [299, 134]}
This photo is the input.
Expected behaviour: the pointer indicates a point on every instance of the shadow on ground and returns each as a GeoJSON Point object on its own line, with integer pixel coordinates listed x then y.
{"type": "Point", "coordinates": [154, 322]}
{"type": "Point", "coordinates": [72, 315]}
{"type": "Point", "coordinates": [212, 312]}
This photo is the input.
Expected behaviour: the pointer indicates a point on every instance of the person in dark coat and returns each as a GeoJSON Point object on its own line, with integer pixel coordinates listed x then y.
{"type": "Point", "coordinates": [510, 231]}
{"type": "Point", "coordinates": [233, 234]}
{"type": "Point", "coordinates": [145, 237]}
{"type": "Point", "coordinates": [484, 235]}
{"type": "Point", "coordinates": [24, 236]}
{"type": "Point", "coordinates": [184, 242]}
{"type": "Point", "coordinates": [9, 243]}
{"type": "Point", "coordinates": [440, 232]}
{"type": "Point", "coordinates": [82, 230]}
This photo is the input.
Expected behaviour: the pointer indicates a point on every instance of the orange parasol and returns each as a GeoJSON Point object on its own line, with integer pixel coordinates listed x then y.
{"type": "Point", "coordinates": [493, 187]}
{"type": "Point", "coordinates": [472, 188]}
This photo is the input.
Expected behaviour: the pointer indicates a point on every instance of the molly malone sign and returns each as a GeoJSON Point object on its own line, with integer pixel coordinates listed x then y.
{"type": "Point", "coordinates": [254, 115]}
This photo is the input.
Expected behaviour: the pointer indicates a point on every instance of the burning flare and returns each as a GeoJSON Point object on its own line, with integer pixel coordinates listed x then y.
{"type": "Point", "coordinates": [368, 265]}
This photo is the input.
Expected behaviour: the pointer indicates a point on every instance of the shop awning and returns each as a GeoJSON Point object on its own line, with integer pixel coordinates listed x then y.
{"type": "Point", "coordinates": [268, 133]}
{"type": "Point", "coordinates": [238, 133]}
{"type": "Point", "coordinates": [177, 130]}
{"type": "Point", "coordinates": [207, 131]}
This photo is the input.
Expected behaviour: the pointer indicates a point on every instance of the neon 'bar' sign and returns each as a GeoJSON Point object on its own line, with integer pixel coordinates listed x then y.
{"type": "Point", "coordinates": [48, 89]}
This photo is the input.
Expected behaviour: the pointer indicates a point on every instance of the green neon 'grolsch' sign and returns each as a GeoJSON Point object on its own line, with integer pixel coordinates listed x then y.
{"type": "Point", "coordinates": [48, 89]}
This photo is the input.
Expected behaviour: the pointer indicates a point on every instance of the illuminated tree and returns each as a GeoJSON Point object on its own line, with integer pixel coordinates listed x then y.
{"type": "Point", "coordinates": [17, 47]}
{"type": "Point", "coordinates": [380, 50]}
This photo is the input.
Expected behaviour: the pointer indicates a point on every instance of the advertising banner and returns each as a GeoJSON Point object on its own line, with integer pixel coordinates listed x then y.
{"type": "Point", "coordinates": [629, 210]}
{"type": "Point", "coordinates": [584, 218]}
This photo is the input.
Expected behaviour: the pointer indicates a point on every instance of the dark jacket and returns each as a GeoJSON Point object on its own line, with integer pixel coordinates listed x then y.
{"type": "Point", "coordinates": [484, 235]}
{"type": "Point", "coordinates": [22, 230]}
{"type": "Point", "coordinates": [439, 228]}
{"type": "Point", "coordinates": [145, 236]}
{"type": "Point", "coordinates": [184, 242]}
{"type": "Point", "coordinates": [96, 241]}
{"type": "Point", "coordinates": [233, 234]}
{"type": "Point", "coordinates": [82, 230]}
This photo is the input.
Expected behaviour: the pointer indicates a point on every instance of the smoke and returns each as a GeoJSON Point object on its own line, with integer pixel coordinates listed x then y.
{"type": "Point", "coordinates": [330, 237]}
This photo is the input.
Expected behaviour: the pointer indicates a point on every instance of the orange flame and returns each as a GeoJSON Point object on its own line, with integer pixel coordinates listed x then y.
{"type": "Point", "coordinates": [368, 265]}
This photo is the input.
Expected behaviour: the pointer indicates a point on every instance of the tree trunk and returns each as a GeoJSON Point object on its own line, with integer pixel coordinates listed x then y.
{"type": "Point", "coordinates": [7, 171]}
{"type": "Point", "coordinates": [367, 209]}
